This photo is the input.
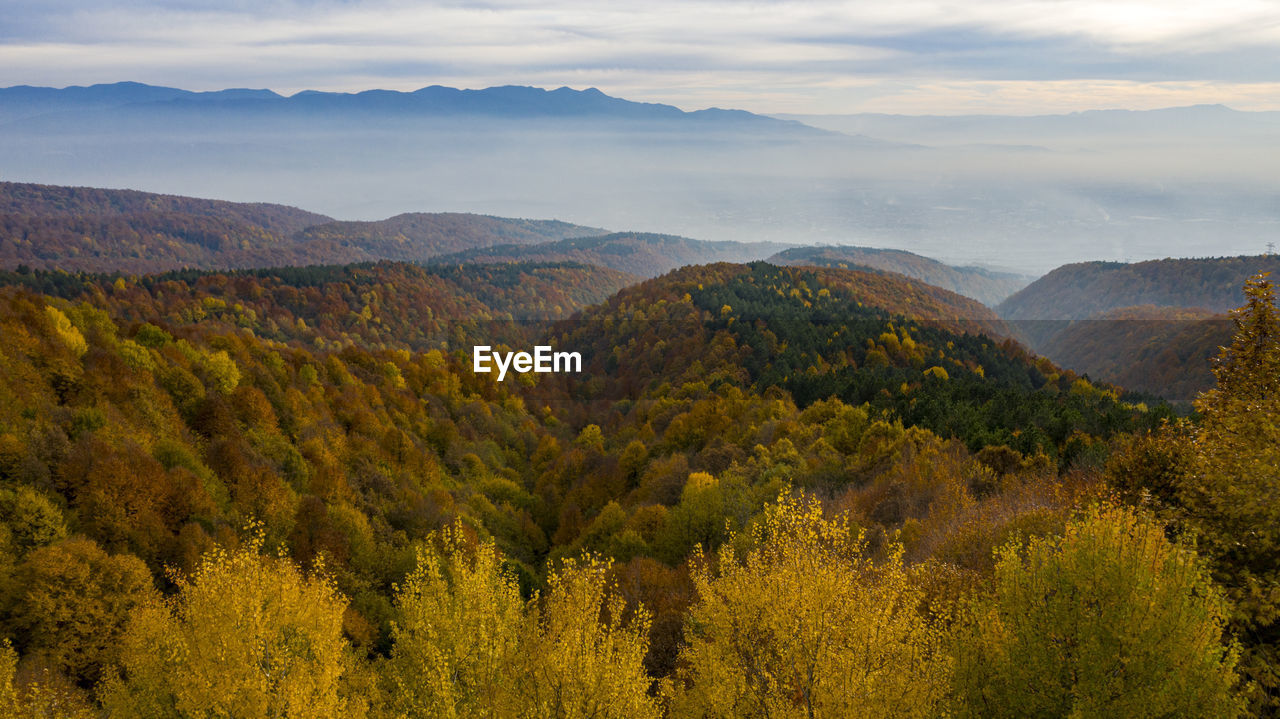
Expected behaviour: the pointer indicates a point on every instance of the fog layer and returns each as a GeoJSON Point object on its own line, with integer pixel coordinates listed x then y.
{"type": "Point", "coordinates": [1026, 194]}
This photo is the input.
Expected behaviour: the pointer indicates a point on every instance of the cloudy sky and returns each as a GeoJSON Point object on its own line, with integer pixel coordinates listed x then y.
{"type": "Point", "coordinates": [820, 56]}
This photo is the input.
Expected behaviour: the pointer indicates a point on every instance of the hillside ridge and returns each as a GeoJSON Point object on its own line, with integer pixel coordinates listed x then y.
{"type": "Point", "coordinates": [104, 230]}
{"type": "Point", "coordinates": [987, 286]}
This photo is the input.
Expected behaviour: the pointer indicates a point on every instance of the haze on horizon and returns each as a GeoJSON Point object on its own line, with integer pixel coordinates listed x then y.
{"type": "Point", "coordinates": [1027, 193]}
{"type": "Point", "coordinates": [813, 57]}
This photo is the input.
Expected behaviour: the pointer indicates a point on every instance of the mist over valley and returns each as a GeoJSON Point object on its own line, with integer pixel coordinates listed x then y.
{"type": "Point", "coordinates": [1021, 194]}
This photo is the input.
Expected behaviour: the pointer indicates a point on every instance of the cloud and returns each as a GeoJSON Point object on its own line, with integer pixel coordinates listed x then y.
{"type": "Point", "coordinates": [691, 52]}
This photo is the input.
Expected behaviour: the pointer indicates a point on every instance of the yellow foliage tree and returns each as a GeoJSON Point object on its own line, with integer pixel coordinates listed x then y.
{"type": "Point", "coordinates": [805, 625]}
{"type": "Point", "coordinates": [222, 371]}
{"type": "Point", "coordinates": [68, 333]}
{"type": "Point", "coordinates": [456, 639]}
{"type": "Point", "coordinates": [1218, 480]}
{"type": "Point", "coordinates": [247, 636]}
{"type": "Point", "coordinates": [467, 646]}
{"type": "Point", "coordinates": [1108, 620]}
{"type": "Point", "coordinates": [8, 693]}
{"type": "Point", "coordinates": [581, 661]}
{"type": "Point", "coordinates": [36, 700]}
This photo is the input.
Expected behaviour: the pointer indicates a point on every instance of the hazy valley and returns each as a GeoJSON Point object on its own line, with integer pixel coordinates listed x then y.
{"type": "Point", "coordinates": [1118, 186]}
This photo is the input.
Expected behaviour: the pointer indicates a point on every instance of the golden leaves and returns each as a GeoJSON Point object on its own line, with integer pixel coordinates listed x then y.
{"type": "Point", "coordinates": [467, 645]}
{"type": "Point", "coordinates": [804, 624]}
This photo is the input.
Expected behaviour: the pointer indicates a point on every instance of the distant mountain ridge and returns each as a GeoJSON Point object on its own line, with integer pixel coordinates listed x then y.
{"type": "Point", "coordinates": [1110, 185]}
{"type": "Point", "coordinates": [508, 101]}
{"type": "Point", "coordinates": [1207, 120]}
{"type": "Point", "coordinates": [638, 253]}
{"type": "Point", "coordinates": [987, 286]}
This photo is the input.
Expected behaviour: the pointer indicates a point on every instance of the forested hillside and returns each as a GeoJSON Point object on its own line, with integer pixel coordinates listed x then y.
{"type": "Point", "coordinates": [1163, 351]}
{"type": "Point", "coordinates": [418, 236]}
{"type": "Point", "coordinates": [926, 356]}
{"type": "Point", "coordinates": [90, 229]}
{"type": "Point", "coordinates": [643, 254]}
{"type": "Point", "coordinates": [384, 305]}
{"type": "Point", "coordinates": [95, 230]}
{"type": "Point", "coordinates": [28, 200]}
{"type": "Point", "coordinates": [1083, 290]}
{"type": "Point", "coordinates": [277, 493]}
{"type": "Point", "coordinates": [986, 286]}
{"type": "Point", "coordinates": [1148, 326]}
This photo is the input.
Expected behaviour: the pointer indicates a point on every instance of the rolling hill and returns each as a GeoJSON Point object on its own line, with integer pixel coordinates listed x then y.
{"type": "Point", "coordinates": [385, 305]}
{"type": "Point", "coordinates": [1150, 326]}
{"type": "Point", "coordinates": [925, 355]}
{"type": "Point", "coordinates": [417, 236]}
{"type": "Point", "coordinates": [99, 230]}
{"type": "Point", "coordinates": [643, 254]}
{"type": "Point", "coordinates": [1082, 290]}
{"type": "Point", "coordinates": [987, 286]}
{"type": "Point", "coordinates": [31, 200]}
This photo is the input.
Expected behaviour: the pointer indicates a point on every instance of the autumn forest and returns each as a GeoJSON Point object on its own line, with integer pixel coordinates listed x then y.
{"type": "Point", "coordinates": [246, 470]}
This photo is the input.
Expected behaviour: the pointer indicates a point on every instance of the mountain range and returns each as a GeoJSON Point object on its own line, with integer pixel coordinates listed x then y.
{"type": "Point", "coordinates": [136, 101]}
{"type": "Point", "coordinates": [1025, 194]}
{"type": "Point", "coordinates": [93, 229]}
{"type": "Point", "coordinates": [249, 461]}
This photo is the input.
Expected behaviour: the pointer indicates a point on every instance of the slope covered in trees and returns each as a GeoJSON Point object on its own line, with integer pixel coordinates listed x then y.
{"type": "Point", "coordinates": [79, 228]}
{"type": "Point", "coordinates": [1149, 326]}
{"type": "Point", "coordinates": [916, 352]}
{"type": "Point", "coordinates": [1164, 351]}
{"type": "Point", "coordinates": [1216, 480]}
{"type": "Point", "coordinates": [986, 286]}
{"type": "Point", "coordinates": [643, 254]}
{"type": "Point", "coordinates": [382, 305]}
{"type": "Point", "coordinates": [30, 200]}
{"type": "Point", "coordinates": [299, 521]}
{"type": "Point", "coordinates": [96, 230]}
{"type": "Point", "coordinates": [1083, 290]}
{"type": "Point", "coordinates": [417, 236]}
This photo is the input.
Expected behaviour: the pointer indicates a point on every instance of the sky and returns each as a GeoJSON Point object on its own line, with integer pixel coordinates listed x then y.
{"type": "Point", "coordinates": [897, 56]}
